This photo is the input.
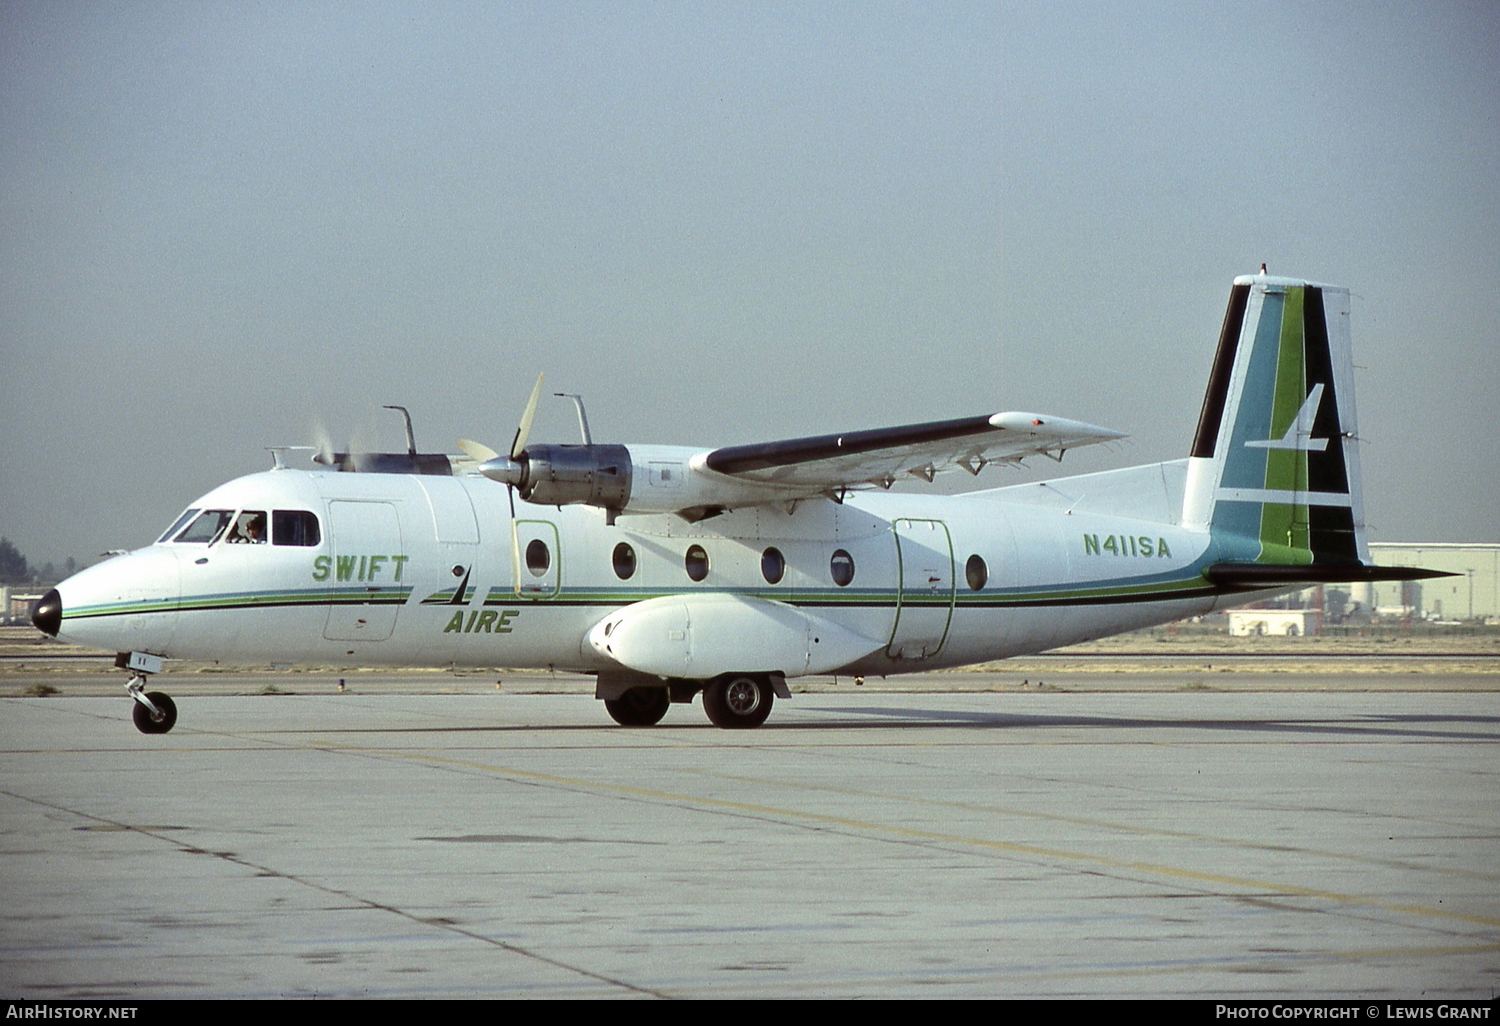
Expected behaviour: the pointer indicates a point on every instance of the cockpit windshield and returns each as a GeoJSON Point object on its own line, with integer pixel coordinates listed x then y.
{"type": "Point", "coordinates": [177, 525]}
{"type": "Point", "coordinates": [296, 527]}
{"type": "Point", "coordinates": [206, 529]}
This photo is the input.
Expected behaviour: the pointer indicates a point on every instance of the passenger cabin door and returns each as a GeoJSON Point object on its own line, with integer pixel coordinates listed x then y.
{"type": "Point", "coordinates": [368, 584]}
{"type": "Point", "coordinates": [924, 588]}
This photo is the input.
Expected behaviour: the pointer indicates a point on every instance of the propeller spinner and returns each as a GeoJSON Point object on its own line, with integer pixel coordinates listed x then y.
{"type": "Point", "coordinates": [509, 471]}
{"type": "Point", "coordinates": [554, 475]}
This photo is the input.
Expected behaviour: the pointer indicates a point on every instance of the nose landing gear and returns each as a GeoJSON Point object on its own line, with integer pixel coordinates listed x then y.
{"type": "Point", "coordinates": [154, 712]}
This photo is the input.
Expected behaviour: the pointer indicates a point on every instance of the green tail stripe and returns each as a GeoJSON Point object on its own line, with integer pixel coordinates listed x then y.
{"type": "Point", "coordinates": [1284, 535]}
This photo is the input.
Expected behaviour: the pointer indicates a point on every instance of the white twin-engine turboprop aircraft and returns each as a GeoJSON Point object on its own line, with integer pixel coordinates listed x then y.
{"type": "Point", "coordinates": [670, 571]}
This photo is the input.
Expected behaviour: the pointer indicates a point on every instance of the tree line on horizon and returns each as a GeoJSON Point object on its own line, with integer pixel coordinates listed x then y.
{"type": "Point", "coordinates": [15, 569]}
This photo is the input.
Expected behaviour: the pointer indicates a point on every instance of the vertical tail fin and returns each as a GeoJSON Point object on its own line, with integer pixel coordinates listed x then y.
{"type": "Point", "coordinates": [1274, 469]}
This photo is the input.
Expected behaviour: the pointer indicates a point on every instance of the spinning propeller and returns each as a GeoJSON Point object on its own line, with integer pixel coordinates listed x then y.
{"type": "Point", "coordinates": [508, 470]}
{"type": "Point", "coordinates": [357, 461]}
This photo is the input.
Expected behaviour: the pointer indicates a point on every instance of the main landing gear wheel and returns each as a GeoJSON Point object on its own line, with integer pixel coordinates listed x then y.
{"type": "Point", "coordinates": [639, 707]}
{"type": "Point", "coordinates": [738, 701]}
{"type": "Point", "coordinates": [148, 724]}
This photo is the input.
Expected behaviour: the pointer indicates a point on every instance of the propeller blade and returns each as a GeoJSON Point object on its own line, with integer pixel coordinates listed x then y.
{"type": "Point", "coordinates": [525, 428]}
{"type": "Point", "coordinates": [476, 451]}
{"type": "Point", "coordinates": [515, 543]}
{"type": "Point", "coordinates": [324, 443]}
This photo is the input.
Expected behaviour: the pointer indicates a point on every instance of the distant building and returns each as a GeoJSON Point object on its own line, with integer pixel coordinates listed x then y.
{"type": "Point", "coordinates": [15, 604]}
{"type": "Point", "coordinates": [1473, 594]}
{"type": "Point", "coordinates": [1291, 623]}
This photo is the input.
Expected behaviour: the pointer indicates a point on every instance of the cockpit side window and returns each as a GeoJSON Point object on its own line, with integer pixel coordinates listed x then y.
{"type": "Point", "coordinates": [206, 529]}
{"type": "Point", "coordinates": [177, 525]}
{"type": "Point", "coordinates": [249, 528]}
{"type": "Point", "coordinates": [294, 527]}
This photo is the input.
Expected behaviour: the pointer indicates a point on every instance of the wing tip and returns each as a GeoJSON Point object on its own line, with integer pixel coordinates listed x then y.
{"type": "Point", "coordinates": [1046, 424]}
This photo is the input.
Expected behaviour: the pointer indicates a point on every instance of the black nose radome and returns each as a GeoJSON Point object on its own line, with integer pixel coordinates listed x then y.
{"type": "Point", "coordinates": [47, 613]}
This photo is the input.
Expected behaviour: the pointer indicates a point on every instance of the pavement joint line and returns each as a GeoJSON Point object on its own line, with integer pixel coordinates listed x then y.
{"type": "Point", "coordinates": [1264, 963]}
{"type": "Point", "coordinates": [1001, 810]}
{"type": "Point", "coordinates": [687, 740]}
{"type": "Point", "coordinates": [437, 923]}
{"type": "Point", "coordinates": [1014, 847]}
{"type": "Point", "coordinates": [251, 742]}
{"type": "Point", "coordinates": [479, 756]}
{"type": "Point", "coordinates": [1157, 869]}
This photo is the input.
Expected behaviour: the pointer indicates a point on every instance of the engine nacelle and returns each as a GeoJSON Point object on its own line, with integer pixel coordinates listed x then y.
{"type": "Point", "coordinates": [637, 479]}
{"type": "Point", "coordinates": [559, 475]}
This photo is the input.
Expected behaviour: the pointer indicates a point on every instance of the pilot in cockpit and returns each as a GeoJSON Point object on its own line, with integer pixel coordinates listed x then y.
{"type": "Point", "coordinates": [249, 529]}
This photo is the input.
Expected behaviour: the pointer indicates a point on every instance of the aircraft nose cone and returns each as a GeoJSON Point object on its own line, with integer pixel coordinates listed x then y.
{"type": "Point", "coordinates": [47, 614]}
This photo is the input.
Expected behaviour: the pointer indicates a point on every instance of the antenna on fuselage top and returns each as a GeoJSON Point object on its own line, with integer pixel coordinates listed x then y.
{"type": "Point", "coordinates": [583, 418]}
{"type": "Point", "coordinates": [411, 439]}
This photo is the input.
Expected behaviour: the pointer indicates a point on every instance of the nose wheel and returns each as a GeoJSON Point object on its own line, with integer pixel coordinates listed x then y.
{"type": "Point", "coordinates": [154, 712]}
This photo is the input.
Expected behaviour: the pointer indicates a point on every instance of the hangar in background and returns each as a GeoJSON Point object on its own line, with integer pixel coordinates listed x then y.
{"type": "Point", "coordinates": [1473, 594]}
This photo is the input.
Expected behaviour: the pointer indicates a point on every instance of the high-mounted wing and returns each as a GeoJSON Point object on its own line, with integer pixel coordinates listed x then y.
{"type": "Point", "coordinates": [882, 455]}
{"type": "Point", "coordinates": [700, 483]}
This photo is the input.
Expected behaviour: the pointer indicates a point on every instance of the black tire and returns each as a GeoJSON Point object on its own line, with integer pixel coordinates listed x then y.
{"type": "Point", "coordinates": [738, 701]}
{"type": "Point", "coordinates": [143, 721]}
{"type": "Point", "coordinates": [639, 707]}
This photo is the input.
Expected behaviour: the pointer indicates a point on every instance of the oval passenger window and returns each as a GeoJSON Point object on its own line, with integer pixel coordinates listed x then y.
{"type": "Point", "coordinates": [975, 572]}
{"type": "Point", "coordinates": [538, 559]}
{"type": "Point", "coordinates": [624, 559]}
{"type": "Point", "coordinates": [772, 565]}
{"type": "Point", "coordinates": [842, 568]}
{"type": "Point", "coordinates": [696, 563]}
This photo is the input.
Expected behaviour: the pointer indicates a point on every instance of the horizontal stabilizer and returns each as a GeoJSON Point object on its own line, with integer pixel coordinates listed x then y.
{"type": "Point", "coordinates": [1252, 576]}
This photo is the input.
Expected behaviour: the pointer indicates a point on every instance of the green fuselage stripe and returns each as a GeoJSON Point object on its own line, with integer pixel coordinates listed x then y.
{"type": "Point", "coordinates": [1193, 586]}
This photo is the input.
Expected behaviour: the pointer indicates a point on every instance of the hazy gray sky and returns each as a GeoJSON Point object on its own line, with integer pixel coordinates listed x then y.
{"type": "Point", "coordinates": [221, 224]}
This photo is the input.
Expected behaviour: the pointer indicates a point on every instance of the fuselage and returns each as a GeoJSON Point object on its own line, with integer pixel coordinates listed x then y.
{"type": "Point", "coordinates": [387, 569]}
{"type": "Point", "coordinates": [671, 572]}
